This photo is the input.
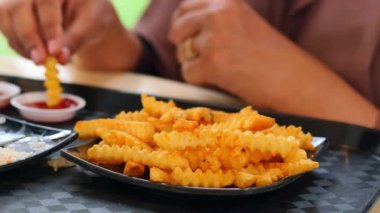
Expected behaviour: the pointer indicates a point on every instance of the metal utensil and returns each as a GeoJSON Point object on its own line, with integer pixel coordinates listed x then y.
{"type": "Point", "coordinates": [25, 138]}
{"type": "Point", "coordinates": [11, 140]}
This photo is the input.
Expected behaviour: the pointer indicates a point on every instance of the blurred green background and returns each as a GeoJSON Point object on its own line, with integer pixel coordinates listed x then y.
{"type": "Point", "coordinates": [129, 12]}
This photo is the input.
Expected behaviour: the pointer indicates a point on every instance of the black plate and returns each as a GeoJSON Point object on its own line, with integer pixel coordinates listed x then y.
{"type": "Point", "coordinates": [72, 155]}
{"type": "Point", "coordinates": [11, 128]}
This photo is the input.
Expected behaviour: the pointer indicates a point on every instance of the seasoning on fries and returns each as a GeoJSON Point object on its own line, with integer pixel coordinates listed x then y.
{"type": "Point", "coordinates": [199, 146]}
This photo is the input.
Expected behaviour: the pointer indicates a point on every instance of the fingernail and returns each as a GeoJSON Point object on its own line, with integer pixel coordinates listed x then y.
{"type": "Point", "coordinates": [54, 46]}
{"type": "Point", "coordinates": [64, 55]}
{"type": "Point", "coordinates": [36, 56]}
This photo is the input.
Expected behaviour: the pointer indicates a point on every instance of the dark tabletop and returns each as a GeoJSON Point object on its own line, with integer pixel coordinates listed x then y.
{"type": "Point", "coordinates": [348, 179]}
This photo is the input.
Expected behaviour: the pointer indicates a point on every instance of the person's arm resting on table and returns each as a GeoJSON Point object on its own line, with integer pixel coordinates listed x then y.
{"type": "Point", "coordinates": [241, 53]}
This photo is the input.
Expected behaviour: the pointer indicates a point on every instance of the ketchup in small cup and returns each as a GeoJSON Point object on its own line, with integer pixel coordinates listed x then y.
{"type": "Point", "coordinates": [65, 103]}
{"type": "Point", "coordinates": [32, 106]}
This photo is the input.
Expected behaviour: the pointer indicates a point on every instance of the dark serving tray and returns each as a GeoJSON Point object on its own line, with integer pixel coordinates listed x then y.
{"type": "Point", "coordinates": [30, 132]}
{"type": "Point", "coordinates": [348, 179]}
{"type": "Point", "coordinates": [72, 154]}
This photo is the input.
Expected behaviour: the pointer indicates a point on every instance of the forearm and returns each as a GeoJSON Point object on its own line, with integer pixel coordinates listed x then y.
{"type": "Point", "coordinates": [120, 50]}
{"type": "Point", "coordinates": [318, 92]}
{"type": "Point", "coordinates": [302, 85]}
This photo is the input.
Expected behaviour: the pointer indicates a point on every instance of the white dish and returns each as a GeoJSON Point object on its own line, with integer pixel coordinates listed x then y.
{"type": "Point", "coordinates": [46, 115]}
{"type": "Point", "coordinates": [7, 91]}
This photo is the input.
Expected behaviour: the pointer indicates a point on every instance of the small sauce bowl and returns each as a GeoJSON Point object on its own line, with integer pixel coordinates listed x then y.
{"type": "Point", "coordinates": [7, 91]}
{"type": "Point", "coordinates": [24, 103]}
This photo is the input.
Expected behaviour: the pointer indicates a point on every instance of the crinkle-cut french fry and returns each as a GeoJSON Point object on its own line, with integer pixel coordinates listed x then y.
{"type": "Point", "coordinates": [268, 177]}
{"type": "Point", "coordinates": [104, 161]}
{"type": "Point", "coordinates": [158, 175]}
{"type": "Point", "coordinates": [181, 125]}
{"type": "Point", "coordinates": [244, 179]}
{"type": "Point", "coordinates": [159, 158]}
{"type": "Point", "coordinates": [134, 169]}
{"type": "Point", "coordinates": [256, 156]}
{"type": "Point", "coordinates": [243, 123]}
{"type": "Point", "coordinates": [133, 116]}
{"type": "Point", "coordinates": [248, 111]}
{"type": "Point", "coordinates": [52, 82]}
{"type": "Point", "coordinates": [210, 162]}
{"type": "Point", "coordinates": [120, 138]}
{"type": "Point", "coordinates": [156, 108]}
{"type": "Point", "coordinates": [186, 177]}
{"type": "Point", "coordinates": [259, 141]}
{"type": "Point", "coordinates": [182, 140]}
{"type": "Point", "coordinates": [263, 176]}
{"type": "Point", "coordinates": [177, 140]}
{"type": "Point", "coordinates": [55, 96]}
{"type": "Point", "coordinates": [296, 155]}
{"type": "Point", "coordinates": [201, 115]}
{"type": "Point", "coordinates": [265, 143]}
{"type": "Point", "coordinates": [172, 115]}
{"type": "Point", "coordinates": [141, 130]}
{"type": "Point", "coordinates": [255, 169]}
{"type": "Point", "coordinates": [221, 116]}
{"type": "Point", "coordinates": [263, 180]}
{"type": "Point", "coordinates": [233, 158]}
{"type": "Point", "coordinates": [304, 138]}
{"type": "Point", "coordinates": [195, 157]}
{"type": "Point", "coordinates": [259, 123]}
{"type": "Point", "coordinates": [295, 168]}
{"type": "Point", "coordinates": [159, 125]}
{"type": "Point", "coordinates": [100, 153]}
{"type": "Point", "coordinates": [203, 159]}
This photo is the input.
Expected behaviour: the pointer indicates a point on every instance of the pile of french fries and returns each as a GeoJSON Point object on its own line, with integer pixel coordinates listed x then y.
{"type": "Point", "coordinates": [199, 146]}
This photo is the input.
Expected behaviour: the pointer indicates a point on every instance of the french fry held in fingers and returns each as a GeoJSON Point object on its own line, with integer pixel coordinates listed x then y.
{"type": "Point", "coordinates": [199, 147]}
{"type": "Point", "coordinates": [52, 82]}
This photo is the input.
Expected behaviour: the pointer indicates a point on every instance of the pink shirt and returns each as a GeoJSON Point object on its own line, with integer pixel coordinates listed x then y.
{"type": "Point", "coordinates": [343, 34]}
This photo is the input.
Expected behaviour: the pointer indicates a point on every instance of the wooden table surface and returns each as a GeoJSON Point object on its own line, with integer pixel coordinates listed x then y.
{"type": "Point", "coordinates": [119, 80]}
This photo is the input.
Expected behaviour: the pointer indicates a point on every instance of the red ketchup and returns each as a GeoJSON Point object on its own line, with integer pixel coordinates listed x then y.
{"type": "Point", "coordinates": [65, 103]}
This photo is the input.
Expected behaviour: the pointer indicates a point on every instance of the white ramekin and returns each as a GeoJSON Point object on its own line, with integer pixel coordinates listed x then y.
{"type": "Point", "coordinates": [8, 91]}
{"type": "Point", "coordinates": [46, 115]}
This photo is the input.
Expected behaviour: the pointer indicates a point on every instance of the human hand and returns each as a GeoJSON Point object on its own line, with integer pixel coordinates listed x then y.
{"type": "Point", "coordinates": [236, 49]}
{"type": "Point", "coordinates": [239, 52]}
{"type": "Point", "coordinates": [37, 28]}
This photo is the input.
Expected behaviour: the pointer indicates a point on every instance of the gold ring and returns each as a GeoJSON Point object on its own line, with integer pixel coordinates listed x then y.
{"type": "Point", "coordinates": [190, 52]}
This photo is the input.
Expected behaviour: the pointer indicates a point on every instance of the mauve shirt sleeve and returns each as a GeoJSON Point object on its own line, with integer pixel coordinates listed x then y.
{"type": "Point", "coordinates": [159, 53]}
